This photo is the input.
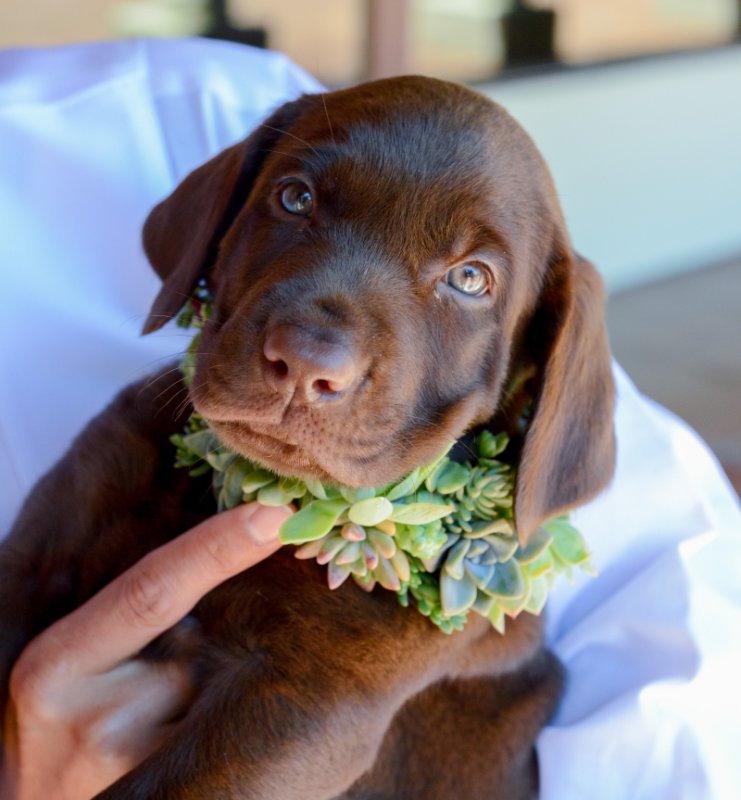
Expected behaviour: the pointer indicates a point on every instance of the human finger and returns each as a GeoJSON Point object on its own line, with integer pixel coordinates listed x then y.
{"type": "Point", "coordinates": [154, 594]}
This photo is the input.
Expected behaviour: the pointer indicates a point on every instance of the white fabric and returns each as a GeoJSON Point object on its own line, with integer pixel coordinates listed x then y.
{"type": "Point", "coordinates": [90, 138]}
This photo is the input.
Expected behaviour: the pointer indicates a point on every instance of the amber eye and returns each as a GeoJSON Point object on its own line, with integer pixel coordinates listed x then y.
{"type": "Point", "coordinates": [296, 199]}
{"type": "Point", "coordinates": [470, 279]}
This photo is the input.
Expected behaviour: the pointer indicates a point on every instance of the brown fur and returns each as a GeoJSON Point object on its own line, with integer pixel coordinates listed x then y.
{"type": "Point", "coordinates": [306, 693]}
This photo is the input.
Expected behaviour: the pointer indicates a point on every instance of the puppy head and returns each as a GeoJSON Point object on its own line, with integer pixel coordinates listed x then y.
{"type": "Point", "coordinates": [386, 261]}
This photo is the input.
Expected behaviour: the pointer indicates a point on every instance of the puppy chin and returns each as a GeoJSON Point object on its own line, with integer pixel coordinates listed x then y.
{"type": "Point", "coordinates": [293, 460]}
{"type": "Point", "coordinates": [391, 457]}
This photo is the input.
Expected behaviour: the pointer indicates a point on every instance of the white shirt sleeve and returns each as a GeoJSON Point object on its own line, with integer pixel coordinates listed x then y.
{"type": "Point", "coordinates": [652, 645]}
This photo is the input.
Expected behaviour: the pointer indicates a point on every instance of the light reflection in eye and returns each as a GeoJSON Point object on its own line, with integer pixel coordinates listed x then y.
{"type": "Point", "coordinates": [296, 198]}
{"type": "Point", "coordinates": [470, 279]}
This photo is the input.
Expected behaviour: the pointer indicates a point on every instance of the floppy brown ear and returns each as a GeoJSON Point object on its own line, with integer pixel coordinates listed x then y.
{"type": "Point", "coordinates": [181, 235]}
{"type": "Point", "coordinates": [569, 449]}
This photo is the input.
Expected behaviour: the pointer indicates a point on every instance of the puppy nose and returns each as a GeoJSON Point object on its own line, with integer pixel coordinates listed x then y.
{"type": "Point", "coordinates": [305, 364]}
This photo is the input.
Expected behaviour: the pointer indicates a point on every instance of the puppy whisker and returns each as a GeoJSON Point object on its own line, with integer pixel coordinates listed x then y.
{"type": "Point", "coordinates": [171, 399]}
{"type": "Point", "coordinates": [183, 404]}
{"type": "Point", "coordinates": [156, 378]}
{"type": "Point", "coordinates": [329, 121]}
{"type": "Point", "coordinates": [145, 315]}
{"type": "Point", "coordinates": [282, 153]}
{"type": "Point", "coordinates": [292, 135]}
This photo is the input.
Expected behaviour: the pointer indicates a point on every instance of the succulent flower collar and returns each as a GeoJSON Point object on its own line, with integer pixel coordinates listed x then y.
{"type": "Point", "coordinates": [443, 535]}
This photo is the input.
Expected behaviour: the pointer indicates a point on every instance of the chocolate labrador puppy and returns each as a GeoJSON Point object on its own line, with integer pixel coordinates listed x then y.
{"type": "Point", "coordinates": [390, 269]}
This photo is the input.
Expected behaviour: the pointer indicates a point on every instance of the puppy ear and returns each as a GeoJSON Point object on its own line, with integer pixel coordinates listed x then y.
{"type": "Point", "coordinates": [569, 447]}
{"type": "Point", "coordinates": [182, 234]}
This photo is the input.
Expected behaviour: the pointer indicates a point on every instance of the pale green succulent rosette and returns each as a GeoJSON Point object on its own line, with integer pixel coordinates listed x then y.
{"type": "Point", "coordinates": [443, 534]}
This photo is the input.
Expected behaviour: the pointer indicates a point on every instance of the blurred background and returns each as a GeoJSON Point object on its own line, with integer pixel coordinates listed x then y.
{"type": "Point", "coordinates": [636, 105]}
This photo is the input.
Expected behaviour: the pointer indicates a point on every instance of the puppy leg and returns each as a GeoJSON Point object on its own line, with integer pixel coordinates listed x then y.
{"type": "Point", "coordinates": [299, 689]}
{"type": "Point", "coordinates": [299, 685]}
{"type": "Point", "coordinates": [472, 739]}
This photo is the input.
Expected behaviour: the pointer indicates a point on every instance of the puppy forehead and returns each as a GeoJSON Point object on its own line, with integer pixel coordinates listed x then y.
{"type": "Point", "coordinates": [391, 138]}
{"type": "Point", "coordinates": [415, 130]}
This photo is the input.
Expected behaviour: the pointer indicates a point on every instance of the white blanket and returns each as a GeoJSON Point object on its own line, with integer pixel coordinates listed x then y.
{"type": "Point", "coordinates": [90, 138]}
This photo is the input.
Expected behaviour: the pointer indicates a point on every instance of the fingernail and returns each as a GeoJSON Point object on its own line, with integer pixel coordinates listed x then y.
{"type": "Point", "coordinates": [262, 523]}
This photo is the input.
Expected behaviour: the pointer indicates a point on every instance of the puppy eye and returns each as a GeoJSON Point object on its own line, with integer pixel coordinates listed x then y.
{"type": "Point", "coordinates": [470, 279]}
{"type": "Point", "coordinates": [296, 199]}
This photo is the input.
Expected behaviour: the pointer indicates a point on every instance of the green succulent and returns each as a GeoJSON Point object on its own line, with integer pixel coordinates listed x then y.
{"type": "Point", "coordinates": [194, 314]}
{"type": "Point", "coordinates": [443, 535]}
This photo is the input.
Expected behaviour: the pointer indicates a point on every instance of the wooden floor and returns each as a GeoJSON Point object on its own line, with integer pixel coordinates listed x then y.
{"type": "Point", "coordinates": [680, 341]}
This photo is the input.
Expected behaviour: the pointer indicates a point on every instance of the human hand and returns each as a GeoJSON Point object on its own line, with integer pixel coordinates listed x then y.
{"type": "Point", "coordinates": [83, 710]}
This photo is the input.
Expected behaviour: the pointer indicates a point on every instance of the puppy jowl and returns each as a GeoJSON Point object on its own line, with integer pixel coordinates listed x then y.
{"type": "Point", "coordinates": [396, 336]}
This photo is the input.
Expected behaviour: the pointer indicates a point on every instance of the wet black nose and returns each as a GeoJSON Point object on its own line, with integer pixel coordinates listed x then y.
{"type": "Point", "coordinates": [310, 365]}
